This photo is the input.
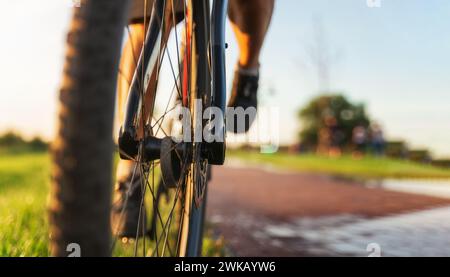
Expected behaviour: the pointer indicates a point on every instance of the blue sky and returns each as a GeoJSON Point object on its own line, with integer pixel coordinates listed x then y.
{"type": "Point", "coordinates": [395, 58]}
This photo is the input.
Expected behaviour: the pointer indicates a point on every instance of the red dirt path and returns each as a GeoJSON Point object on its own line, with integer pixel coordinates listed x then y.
{"type": "Point", "coordinates": [284, 196]}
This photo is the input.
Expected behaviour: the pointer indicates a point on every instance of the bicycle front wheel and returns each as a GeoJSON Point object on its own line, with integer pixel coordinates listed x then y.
{"type": "Point", "coordinates": [82, 152]}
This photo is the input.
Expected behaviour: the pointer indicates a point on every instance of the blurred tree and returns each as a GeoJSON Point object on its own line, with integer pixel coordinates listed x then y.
{"type": "Point", "coordinates": [10, 139]}
{"type": "Point", "coordinates": [329, 120]}
{"type": "Point", "coordinates": [37, 144]}
{"type": "Point", "coordinates": [420, 155]}
{"type": "Point", "coordinates": [14, 141]}
{"type": "Point", "coordinates": [397, 149]}
{"type": "Point", "coordinates": [445, 163]}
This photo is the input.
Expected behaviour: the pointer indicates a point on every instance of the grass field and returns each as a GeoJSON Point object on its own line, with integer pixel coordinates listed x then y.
{"type": "Point", "coordinates": [23, 192]}
{"type": "Point", "coordinates": [368, 167]}
{"type": "Point", "coordinates": [24, 187]}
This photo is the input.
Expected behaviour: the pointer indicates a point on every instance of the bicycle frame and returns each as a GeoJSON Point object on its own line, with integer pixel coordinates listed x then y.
{"type": "Point", "coordinates": [128, 144]}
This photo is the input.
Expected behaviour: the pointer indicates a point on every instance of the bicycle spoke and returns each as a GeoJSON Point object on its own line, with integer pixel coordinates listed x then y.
{"type": "Point", "coordinates": [176, 37]}
{"type": "Point", "coordinates": [180, 227]}
{"type": "Point", "coordinates": [171, 95]}
{"type": "Point", "coordinates": [130, 39]}
{"type": "Point", "coordinates": [135, 60]}
{"type": "Point", "coordinates": [125, 203]}
{"type": "Point", "coordinates": [141, 208]}
{"type": "Point", "coordinates": [164, 225]}
{"type": "Point", "coordinates": [155, 203]}
{"type": "Point", "coordinates": [172, 209]}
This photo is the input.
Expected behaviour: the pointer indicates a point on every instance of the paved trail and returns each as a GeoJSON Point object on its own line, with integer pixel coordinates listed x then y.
{"type": "Point", "coordinates": [269, 213]}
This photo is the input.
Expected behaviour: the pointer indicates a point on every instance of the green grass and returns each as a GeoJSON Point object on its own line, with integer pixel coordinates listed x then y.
{"type": "Point", "coordinates": [368, 167]}
{"type": "Point", "coordinates": [24, 187]}
{"type": "Point", "coordinates": [23, 193]}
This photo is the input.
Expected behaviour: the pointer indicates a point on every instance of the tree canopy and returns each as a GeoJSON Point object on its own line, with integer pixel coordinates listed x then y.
{"type": "Point", "coordinates": [334, 115]}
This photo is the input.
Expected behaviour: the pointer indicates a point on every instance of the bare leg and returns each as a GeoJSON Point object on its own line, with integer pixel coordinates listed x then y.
{"type": "Point", "coordinates": [128, 64]}
{"type": "Point", "coordinates": [250, 20]}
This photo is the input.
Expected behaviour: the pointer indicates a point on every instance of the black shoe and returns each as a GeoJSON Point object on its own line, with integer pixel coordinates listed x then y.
{"type": "Point", "coordinates": [125, 210]}
{"type": "Point", "coordinates": [244, 94]}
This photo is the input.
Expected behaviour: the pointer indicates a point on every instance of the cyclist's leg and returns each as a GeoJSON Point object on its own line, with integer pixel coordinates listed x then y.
{"type": "Point", "coordinates": [130, 54]}
{"type": "Point", "coordinates": [125, 214]}
{"type": "Point", "coordinates": [250, 20]}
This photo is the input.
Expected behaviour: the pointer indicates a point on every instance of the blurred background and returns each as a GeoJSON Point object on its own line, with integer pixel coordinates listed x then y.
{"type": "Point", "coordinates": [362, 162]}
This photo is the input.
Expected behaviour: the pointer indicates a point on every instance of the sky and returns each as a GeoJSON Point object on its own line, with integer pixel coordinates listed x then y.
{"type": "Point", "coordinates": [394, 58]}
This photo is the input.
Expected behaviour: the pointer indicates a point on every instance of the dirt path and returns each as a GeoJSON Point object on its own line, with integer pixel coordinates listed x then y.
{"type": "Point", "coordinates": [247, 204]}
